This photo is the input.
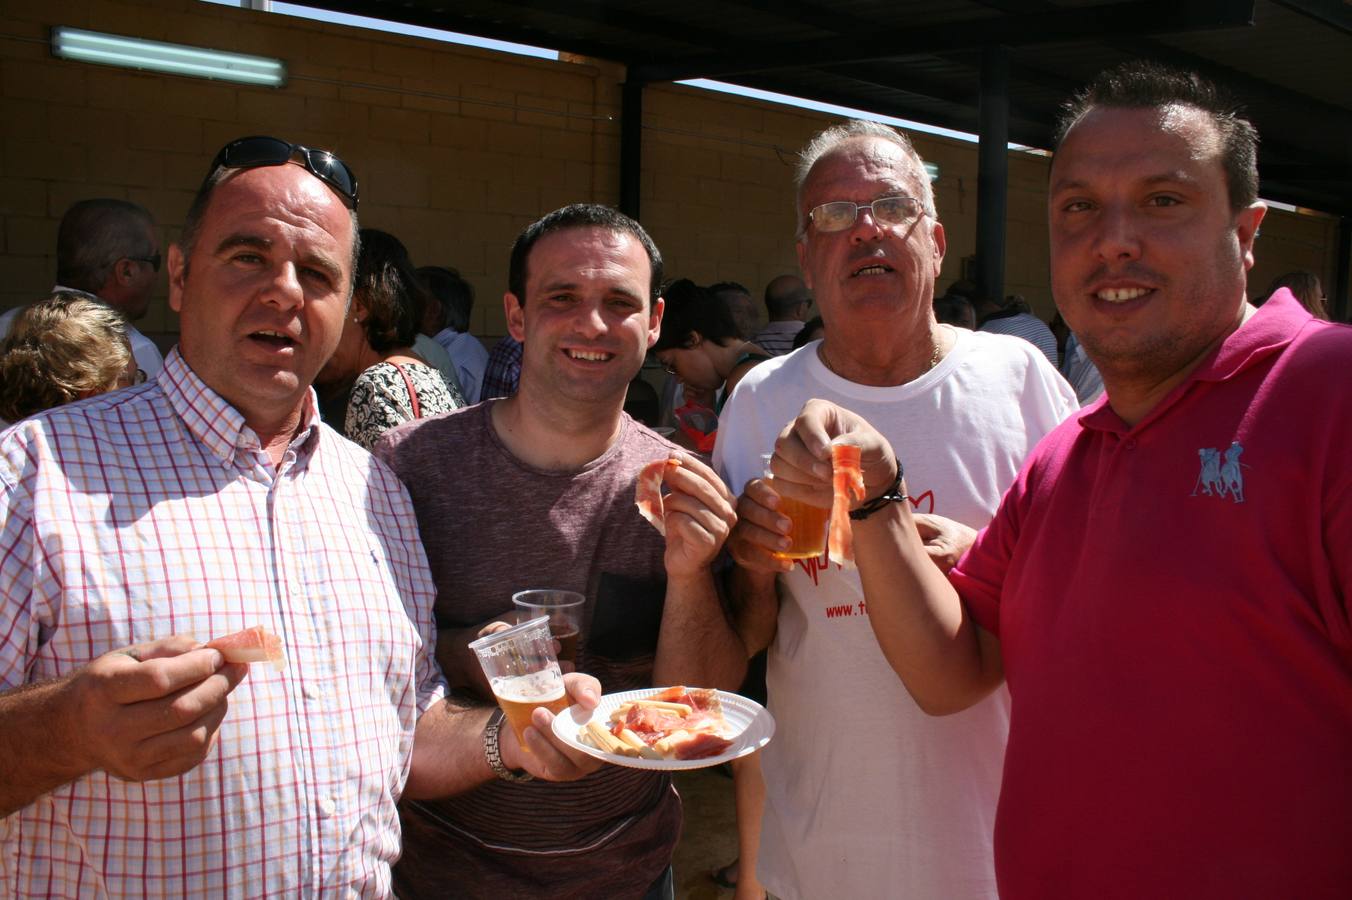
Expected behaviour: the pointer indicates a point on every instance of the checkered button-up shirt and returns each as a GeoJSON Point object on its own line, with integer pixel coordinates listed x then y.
{"type": "Point", "coordinates": [503, 372]}
{"type": "Point", "coordinates": [154, 511]}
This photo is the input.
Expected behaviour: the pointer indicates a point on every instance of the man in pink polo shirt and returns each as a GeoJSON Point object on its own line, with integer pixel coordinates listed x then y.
{"type": "Point", "coordinates": [1166, 585]}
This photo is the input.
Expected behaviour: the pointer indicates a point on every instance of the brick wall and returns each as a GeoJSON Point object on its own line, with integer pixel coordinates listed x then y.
{"type": "Point", "coordinates": [456, 148]}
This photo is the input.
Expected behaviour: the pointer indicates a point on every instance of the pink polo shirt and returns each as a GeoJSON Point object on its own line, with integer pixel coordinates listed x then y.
{"type": "Point", "coordinates": [1172, 604]}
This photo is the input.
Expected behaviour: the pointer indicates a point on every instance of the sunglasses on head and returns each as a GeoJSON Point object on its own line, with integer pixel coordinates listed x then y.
{"type": "Point", "coordinates": [258, 151]}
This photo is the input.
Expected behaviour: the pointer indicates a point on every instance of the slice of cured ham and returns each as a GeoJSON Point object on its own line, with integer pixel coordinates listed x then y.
{"type": "Point", "coordinates": [648, 492]}
{"type": "Point", "coordinates": [251, 645]}
{"type": "Point", "coordinates": [676, 723]}
{"type": "Point", "coordinates": [847, 485]}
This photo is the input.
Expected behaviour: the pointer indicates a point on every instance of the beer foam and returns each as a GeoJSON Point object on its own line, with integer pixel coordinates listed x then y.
{"type": "Point", "coordinates": [537, 688]}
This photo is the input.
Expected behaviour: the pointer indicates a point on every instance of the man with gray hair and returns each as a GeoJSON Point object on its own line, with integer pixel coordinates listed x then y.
{"type": "Point", "coordinates": [110, 249]}
{"type": "Point", "coordinates": [867, 796]}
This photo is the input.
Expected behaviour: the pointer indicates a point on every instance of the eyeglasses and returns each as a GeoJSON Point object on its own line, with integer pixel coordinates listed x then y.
{"type": "Point", "coordinates": [254, 152]}
{"type": "Point", "coordinates": [841, 214]}
{"type": "Point", "coordinates": [153, 260]}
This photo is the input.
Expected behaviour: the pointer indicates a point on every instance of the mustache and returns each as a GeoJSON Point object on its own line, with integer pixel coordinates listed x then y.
{"type": "Point", "coordinates": [1129, 272]}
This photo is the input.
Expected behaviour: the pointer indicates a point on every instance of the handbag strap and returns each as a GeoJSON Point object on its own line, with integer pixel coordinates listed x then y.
{"type": "Point", "coordinates": [412, 394]}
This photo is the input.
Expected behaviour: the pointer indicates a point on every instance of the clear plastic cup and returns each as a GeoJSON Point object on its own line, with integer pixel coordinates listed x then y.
{"type": "Point", "coordinates": [523, 671]}
{"type": "Point", "coordinates": [808, 524]}
{"type": "Point", "coordinates": [564, 610]}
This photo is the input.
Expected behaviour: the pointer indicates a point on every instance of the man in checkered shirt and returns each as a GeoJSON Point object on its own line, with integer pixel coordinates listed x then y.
{"type": "Point", "coordinates": [135, 761]}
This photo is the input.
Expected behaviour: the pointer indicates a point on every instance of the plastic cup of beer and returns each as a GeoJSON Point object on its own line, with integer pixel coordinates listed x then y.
{"type": "Point", "coordinates": [807, 523]}
{"type": "Point", "coordinates": [564, 609]}
{"type": "Point", "coordinates": [523, 672]}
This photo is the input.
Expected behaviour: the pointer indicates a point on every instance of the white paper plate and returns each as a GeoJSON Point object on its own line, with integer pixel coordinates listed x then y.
{"type": "Point", "coordinates": [749, 726]}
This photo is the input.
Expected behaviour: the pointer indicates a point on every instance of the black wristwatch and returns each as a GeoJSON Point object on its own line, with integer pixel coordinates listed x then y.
{"type": "Point", "coordinates": [894, 494]}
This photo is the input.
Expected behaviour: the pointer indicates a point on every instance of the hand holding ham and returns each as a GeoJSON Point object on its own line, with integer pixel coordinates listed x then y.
{"type": "Point", "coordinates": [550, 759]}
{"type": "Point", "coordinates": [803, 469]}
{"type": "Point", "coordinates": [802, 460]}
{"type": "Point", "coordinates": [153, 710]}
{"type": "Point", "coordinates": [251, 645]}
{"type": "Point", "coordinates": [696, 515]}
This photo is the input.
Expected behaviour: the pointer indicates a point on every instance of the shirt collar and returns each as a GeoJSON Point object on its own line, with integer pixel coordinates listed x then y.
{"type": "Point", "coordinates": [218, 425]}
{"type": "Point", "coordinates": [1270, 329]}
{"type": "Point", "coordinates": [1267, 331]}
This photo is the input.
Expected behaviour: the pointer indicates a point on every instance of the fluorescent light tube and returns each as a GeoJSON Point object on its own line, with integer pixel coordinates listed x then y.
{"type": "Point", "coordinates": [157, 56]}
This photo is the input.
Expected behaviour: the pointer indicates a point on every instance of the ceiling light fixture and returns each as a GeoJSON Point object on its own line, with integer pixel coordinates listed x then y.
{"type": "Point", "coordinates": [157, 56]}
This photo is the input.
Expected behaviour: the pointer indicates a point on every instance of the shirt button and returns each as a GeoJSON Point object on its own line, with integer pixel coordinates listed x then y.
{"type": "Point", "coordinates": [327, 807]}
{"type": "Point", "coordinates": [311, 692]}
{"type": "Point", "coordinates": [1131, 444]}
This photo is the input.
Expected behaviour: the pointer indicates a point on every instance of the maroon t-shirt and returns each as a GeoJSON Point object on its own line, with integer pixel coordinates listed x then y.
{"type": "Point", "coordinates": [493, 525]}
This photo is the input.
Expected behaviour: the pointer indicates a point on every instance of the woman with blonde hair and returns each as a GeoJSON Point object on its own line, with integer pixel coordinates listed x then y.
{"type": "Point", "coordinates": [65, 347]}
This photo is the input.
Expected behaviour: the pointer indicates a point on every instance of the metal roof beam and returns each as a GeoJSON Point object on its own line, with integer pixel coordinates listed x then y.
{"type": "Point", "coordinates": [1327, 12]}
{"type": "Point", "coordinates": [638, 26]}
{"type": "Point", "coordinates": [964, 119]}
{"type": "Point", "coordinates": [1052, 26]}
{"type": "Point", "coordinates": [887, 77]}
{"type": "Point", "coordinates": [1245, 86]}
{"type": "Point", "coordinates": [446, 20]}
{"type": "Point", "coordinates": [1241, 82]}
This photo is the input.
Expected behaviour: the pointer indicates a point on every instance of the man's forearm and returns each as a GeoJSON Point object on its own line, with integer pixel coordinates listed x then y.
{"type": "Point", "coordinates": [36, 754]}
{"type": "Point", "coordinates": [755, 607]}
{"type": "Point", "coordinates": [698, 645]}
{"type": "Point", "coordinates": [941, 655]}
{"type": "Point", "coordinates": [448, 755]}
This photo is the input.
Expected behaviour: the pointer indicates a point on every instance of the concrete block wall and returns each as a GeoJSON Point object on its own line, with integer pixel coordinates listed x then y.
{"type": "Point", "coordinates": [456, 149]}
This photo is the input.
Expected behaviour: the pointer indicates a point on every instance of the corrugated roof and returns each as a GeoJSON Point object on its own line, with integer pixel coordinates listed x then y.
{"type": "Point", "coordinates": [1291, 67]}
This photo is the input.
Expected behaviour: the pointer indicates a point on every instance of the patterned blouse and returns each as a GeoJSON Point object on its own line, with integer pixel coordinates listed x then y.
{"type": "Point", "coordinates": [380, 399]}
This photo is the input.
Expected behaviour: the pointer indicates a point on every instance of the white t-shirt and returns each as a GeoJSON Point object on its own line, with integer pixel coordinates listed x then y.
{"type": "Point", "coordinates": [866, 795]}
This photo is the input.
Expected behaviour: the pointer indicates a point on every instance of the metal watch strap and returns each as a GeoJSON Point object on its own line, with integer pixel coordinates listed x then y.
{"type": "Point", "coordinates": [493, 752]}
{"type": "Point", "coordinates": [894, 494]}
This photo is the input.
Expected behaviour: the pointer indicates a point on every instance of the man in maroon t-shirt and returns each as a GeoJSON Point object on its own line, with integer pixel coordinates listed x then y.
{"type": "Point", "coordinates": [1166, 585]}
{"type": "Point", "coordinates": [537, 491]}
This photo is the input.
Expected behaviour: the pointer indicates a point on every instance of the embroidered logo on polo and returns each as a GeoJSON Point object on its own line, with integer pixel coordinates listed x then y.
{"type": "Point", "coordinates": [1222, 475]}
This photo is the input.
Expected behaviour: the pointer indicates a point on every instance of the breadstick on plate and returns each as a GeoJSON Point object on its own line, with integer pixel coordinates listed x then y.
{"type": "Point", "coordinates": [680, 709]}
{"type": "Point", "coordinates": [633, 740]}
{"type": "Point", "coordinates": [604, 740]}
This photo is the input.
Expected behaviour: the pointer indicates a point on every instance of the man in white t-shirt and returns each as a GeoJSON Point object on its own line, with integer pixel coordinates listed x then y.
{"type": "Point", "coordinates": [110, 249]}
{"type": "Point", "coordinates": [866, 795]}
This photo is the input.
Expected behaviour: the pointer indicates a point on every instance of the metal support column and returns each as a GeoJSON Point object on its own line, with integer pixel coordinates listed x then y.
{"type": "Point", "coordinates": [1338, 291]}
{"type": "Point", "coordinates": [992, 179]}
{"type": "Point", "coordinates": [631, 147]}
